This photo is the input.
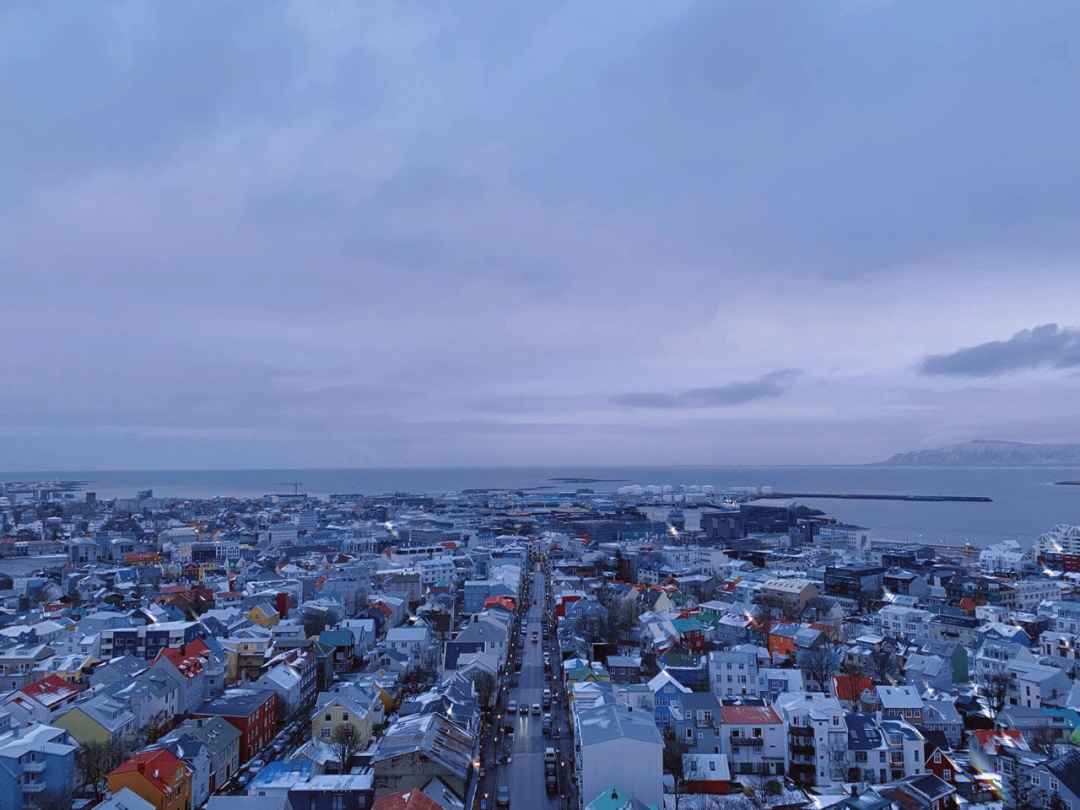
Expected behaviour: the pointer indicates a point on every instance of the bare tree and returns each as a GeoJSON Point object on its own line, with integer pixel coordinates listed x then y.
{"type": "Point", "coordinates": [1044, 740]}
{"type": "Point", "coordinates": [95, 761]}
{"type": "Point", "coordinates": [759, 790]}
{"type": "Point", "coordinates": [995, 688]}
{"type": "Point", "coordinates": [1018, 796]}
{"type": "Point", "coordinates": [767, 615]}
{"type": "Point", "coordinates": [484, 684]}
{"type": "Point", "coordinates": [674, 750]}
{"type": "Point", "coordinates": [851, 676]}
{"type": "Point", "coordinates": [821, 663]}
{"type": "Point", "coordinates": [865, 602]}
{"type": "Point", "coordinates": [345, 741]}
{"type": "Point", "coordinates": [840, 760]}
{"type": "Point", "coordinates": [59, 799]}
{"type": "Point", "coordinates": [881, 663]}
{"type": "Point", "coordinates": [629, 613]}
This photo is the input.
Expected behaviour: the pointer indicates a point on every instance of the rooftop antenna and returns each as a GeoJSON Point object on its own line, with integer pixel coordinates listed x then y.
{"type": "Point", "coordinates": [294, 484]}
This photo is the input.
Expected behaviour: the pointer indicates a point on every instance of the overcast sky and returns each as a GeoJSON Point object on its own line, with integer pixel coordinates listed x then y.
{"type": "Point", "coordinates": [385, 234]}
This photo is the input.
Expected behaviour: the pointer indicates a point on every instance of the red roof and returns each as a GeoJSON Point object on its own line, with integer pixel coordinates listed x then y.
{"type": "Point", "coordinates": [414, 799]}
{"type": "Point", "coordinates": [159, 767]}
{"type": "Point", "coordinates": [188, 658]}
{"type": "Point", "coordinates": [995, 737]}
{"type": "Point", "coordinates": [754, 715]}
{"type": "Point", "coordinates": [505, 602]}
{"type": "Point", "coordinates": [842, 686]}
{"type": "Point", "coordinates": [49, 689]}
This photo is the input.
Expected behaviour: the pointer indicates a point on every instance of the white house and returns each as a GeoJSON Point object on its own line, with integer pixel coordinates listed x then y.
{"type": "Point", "coordinates": [818, 732]}
{"type": "Point", "coordinates": [618, 745]}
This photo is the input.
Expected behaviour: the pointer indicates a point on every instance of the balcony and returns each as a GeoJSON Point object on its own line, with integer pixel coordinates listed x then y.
{"type": "Point", "coordinates": [749, 742]}
{"type": "Point", "coordinates": [34, 767]}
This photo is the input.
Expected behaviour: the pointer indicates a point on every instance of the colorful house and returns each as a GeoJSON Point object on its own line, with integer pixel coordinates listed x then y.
{"type": "Point", "coordinates": [264, 615]}
{"type": "Point", "coordinates": [42, 701]}
{"type": "Point", "coordinates": [158, 776]}
{"type": "Point", "coordinates": [252, 711]}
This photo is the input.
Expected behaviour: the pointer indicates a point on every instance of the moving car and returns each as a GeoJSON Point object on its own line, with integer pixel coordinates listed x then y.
{"type": "Point", "coordinates": [536, 709]}
{"type": "Point", "coordinates": [502, 798]}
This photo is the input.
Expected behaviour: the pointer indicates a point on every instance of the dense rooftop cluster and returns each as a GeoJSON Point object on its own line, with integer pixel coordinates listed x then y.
{"type": "Point", "coordinates": [701, 650]}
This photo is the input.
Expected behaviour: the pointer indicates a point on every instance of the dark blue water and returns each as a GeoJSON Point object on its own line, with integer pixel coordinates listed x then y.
{"type": "Point", "coordinates": [1025, 502]}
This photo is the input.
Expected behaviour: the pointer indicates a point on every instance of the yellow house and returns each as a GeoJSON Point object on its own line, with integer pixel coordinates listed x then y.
{"type": "Point", "coordinates": [99, 719]}
{"type": "Point", "coordinates": [264, 615]}
{"type": "Point", "coordinates": [246, 654]}
{"type": "Point", "coordinates": [342, 710]}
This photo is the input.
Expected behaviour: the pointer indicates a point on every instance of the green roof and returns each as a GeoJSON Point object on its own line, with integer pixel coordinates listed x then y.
{"type": "Point", "coordinates": [336, 638]}
{"type": "Point", "coordinates": [688, 625]}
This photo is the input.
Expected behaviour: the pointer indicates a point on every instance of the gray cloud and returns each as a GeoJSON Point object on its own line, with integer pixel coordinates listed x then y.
{"type": "Point", "coordinates": [734, 393]}
{"type": "Point", "coordinates": [1044, 346]}
{"type": "Point", "coordinates": [522, 205]}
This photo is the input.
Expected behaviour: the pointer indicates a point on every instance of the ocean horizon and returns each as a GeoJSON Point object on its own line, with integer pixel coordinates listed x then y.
{"type": "Point", "coordinates": [1025, 501]}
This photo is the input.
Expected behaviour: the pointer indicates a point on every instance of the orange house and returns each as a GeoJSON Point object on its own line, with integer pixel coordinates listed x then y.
{"type": "Point", "coordinates": [782, 640]}
{"type": "Point", "coordinates": [158, 776]}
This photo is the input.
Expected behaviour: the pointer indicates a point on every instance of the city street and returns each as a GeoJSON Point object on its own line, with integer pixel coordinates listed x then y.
{"type": "Point", "coordinates": [524, 775]}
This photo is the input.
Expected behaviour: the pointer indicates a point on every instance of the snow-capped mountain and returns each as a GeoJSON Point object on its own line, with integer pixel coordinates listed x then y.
{"type": "Point", "coordinates": [990, 454]}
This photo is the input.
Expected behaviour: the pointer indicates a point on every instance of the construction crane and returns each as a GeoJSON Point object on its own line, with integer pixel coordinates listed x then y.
{"type": "Point", "coordinates": [294, 484]}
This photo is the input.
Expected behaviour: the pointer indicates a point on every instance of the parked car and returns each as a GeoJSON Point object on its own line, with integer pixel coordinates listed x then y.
{"type": "Point", "coordinates": [502, 799]}
{"type": "Point", "coordinates": [511, 707]}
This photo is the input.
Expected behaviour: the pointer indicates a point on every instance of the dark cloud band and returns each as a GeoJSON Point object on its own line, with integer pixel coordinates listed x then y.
{"type": "Point", "coordinates": [1044, 346]}
{"type": "Point", "coordinates": [734, 393]}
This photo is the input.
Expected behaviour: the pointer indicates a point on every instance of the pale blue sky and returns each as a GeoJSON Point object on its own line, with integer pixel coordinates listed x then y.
{"type": "Point", "coordinates": [514, 233]}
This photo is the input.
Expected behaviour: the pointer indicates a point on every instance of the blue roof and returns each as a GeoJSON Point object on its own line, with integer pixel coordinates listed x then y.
{"type": "Point", "coordinates": [863, 732]}
{"type": "Point", "coordinates": [283, 773]}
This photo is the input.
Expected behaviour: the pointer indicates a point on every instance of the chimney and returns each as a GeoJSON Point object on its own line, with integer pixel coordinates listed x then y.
{"type": "Point", "coordinates": [142, 766]}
